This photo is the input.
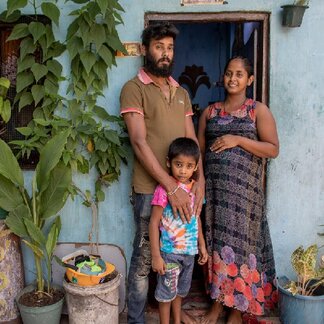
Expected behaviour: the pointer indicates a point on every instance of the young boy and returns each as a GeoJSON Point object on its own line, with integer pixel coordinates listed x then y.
{"type": "Point", "coordinates": [173, 253]}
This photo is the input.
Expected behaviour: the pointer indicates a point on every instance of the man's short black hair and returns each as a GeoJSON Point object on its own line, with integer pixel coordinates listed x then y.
{"type": "Point", "coordinates": [184, 146]}
{"type": "Point", "coordinates": [158, 31]}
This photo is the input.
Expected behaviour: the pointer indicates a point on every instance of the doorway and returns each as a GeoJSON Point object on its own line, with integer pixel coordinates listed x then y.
{"type": "Point", "coordinates": [204, 44]}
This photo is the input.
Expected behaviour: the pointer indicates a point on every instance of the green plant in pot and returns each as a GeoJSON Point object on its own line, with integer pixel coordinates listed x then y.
{"type": "Point", "coordinates": [33, 217]}
{"type": "Point", "coordinates": [5, 105]}
{"type": "Point", "coordinates": [301, 300]}
{"type": "Point", "coordinates": [293, 14]}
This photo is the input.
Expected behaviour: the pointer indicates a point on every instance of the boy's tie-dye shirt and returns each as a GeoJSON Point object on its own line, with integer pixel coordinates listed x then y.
{"type": "Point", "coordinates": [176, 237]}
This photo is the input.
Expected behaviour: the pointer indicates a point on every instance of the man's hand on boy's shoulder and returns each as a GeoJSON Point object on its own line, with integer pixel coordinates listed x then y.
{"type": "Point", "coordinates": [158, 265]}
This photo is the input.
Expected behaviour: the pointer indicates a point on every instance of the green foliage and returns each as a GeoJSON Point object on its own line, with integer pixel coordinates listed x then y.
{"type": "Point", "coordinates": [309, 276]}
{"type": "Point", "coordinates": [5, 106]}
{"type": "Point", "coordinates": [28, 213]}
{"type": "Point", "coordinates": [96, 139]}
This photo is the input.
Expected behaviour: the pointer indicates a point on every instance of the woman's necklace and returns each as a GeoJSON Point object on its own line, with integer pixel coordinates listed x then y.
{"type": "Point", "coordinates": [235, 108]}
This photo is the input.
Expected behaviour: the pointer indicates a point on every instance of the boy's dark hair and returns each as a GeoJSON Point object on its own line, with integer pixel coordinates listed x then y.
{"type": "Point", "coordinates": [158, 31]}
{"type": "Point", "coordinates": [185, 146]}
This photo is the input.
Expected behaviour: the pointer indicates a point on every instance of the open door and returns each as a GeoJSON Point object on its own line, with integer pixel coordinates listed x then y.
{"type": "Point", "coordinates": [205, 42]}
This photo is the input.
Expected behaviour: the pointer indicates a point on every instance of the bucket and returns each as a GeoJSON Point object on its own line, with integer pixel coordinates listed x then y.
{"type": "Point", "coordinates": [11, 274]}
{"type": "Point", "coordinates": [93, 304]}
{"type": "Point", "coordinates": [299, 309]}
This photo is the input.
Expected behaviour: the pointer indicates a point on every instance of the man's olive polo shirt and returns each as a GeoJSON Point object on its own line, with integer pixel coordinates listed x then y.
{"type": "Point", "coordinates": [165, 121]}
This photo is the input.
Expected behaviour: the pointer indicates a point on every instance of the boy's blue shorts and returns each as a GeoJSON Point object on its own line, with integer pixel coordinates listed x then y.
{"type": "Point", "coordinates": [177, 280]}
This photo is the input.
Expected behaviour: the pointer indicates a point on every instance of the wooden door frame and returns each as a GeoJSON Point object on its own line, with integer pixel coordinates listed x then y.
{"type": "Point", "coordinates": [220, 17]}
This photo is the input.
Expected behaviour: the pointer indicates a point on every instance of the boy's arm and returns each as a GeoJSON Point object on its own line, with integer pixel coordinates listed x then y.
{"type": "Point", "coordinates": [203, 255]}
{"type": "Point", "coordinates": [158, 264]}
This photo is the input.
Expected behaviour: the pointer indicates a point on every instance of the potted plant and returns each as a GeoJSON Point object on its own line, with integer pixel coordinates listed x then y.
{"type": "Point", "coordinates": [33, 217]}
{"type": "Point", "coordinates": [5, 105]}
{"type": "Point", "coordinates": [301, 300]}
{"type": "Point", "coordinates": [293, 14]}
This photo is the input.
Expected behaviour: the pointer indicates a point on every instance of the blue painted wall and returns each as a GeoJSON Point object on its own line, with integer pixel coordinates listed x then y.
{"type": "Point", "coordinates": [295, 183]}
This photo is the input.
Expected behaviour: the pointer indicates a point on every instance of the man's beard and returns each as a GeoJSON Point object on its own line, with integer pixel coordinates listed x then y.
{"type": "Point", "coordinates": [151, 66]}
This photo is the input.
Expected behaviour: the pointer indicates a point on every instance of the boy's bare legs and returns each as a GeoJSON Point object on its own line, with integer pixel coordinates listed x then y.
{"type": "Point", "coordinates": [235, 317]}
{"type": "Point", "coordinates": [213, 314]}
{"type": "Point", "coordinates": [176, 310]}
{"type": "Point", "coordinates": [164, 312]}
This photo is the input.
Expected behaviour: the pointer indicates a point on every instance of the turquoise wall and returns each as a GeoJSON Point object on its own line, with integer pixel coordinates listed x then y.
{"type": "Point", "coordinates": [295, 182]}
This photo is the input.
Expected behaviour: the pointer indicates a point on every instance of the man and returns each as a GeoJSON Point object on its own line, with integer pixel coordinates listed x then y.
{"type": "Point", "coordinates": [156, 110]}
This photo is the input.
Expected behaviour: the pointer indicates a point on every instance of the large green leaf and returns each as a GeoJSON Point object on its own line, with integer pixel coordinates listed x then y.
{"type": "Point", "coordinates": [6, 111]}
{"type": "Point", "coordinates": [14, 5]}
{"type": "Point", "coordinates": [26, 63]}
{"type": "Point", "coordinates": [37, 29]}
{"type": "Point", "coordinates": [26, 47]}
{"type": "Point", "coordinates": [55, 67]}
{"type": "Point", "coordinates": [98, 35]}
{"type": "Point", "coordinates": [19, 31]}
{"type": "Point", "coordinates": [53, 236]}
{"type": "Point", "coordinates": [39, 70]}
{"type": "Point", "coordinates": [9, 167]}
{"type": "Point", "coordinates": [15, 222]}
{"type": "Point", "coordinates": [24, 79]}
{"type": "Point", "coordinates": [36, 249]}
{"type": "Point", "coordinates": [53, 198]}
{"type": "Point", "coordinates": [49, 157]}
{"type": "Point", "coordinates": [88, 59]}
{"type": "Point", "coordinates": [25, 100]}
{"type": "Point", "coordinates": [34, 232]}
{"type": "Point", "coordinates": [51, 11]}
{"type": "Point", "coordinates": [105, 54]}
{"type": "Point", "coordinates": [38, 92]}
{"type": "Point", "coordinates": [11, 17]}
{"type": "Point", "coordinates": [10, 196]}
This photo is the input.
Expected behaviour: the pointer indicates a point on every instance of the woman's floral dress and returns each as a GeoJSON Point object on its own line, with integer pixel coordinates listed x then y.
{"type": "Point", "coordinates": [241, 265]}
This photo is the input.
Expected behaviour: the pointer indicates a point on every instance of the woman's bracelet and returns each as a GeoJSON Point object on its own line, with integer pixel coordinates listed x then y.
{"type": "Point", "coordinates": [172, 192]}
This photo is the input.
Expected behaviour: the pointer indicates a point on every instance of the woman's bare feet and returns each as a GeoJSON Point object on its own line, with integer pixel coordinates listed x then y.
{"type": "Point", "coordinates": [235, 317]}
{"type": "Point", "coordinates": [213, 314]}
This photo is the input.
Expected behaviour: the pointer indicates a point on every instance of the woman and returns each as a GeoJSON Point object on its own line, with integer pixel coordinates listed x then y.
{"type": "Point", "coordinates": [235, 136]}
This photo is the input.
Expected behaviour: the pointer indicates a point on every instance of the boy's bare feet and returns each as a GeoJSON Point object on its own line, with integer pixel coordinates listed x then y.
{"type": "Point", "coordinates": [186, 318]}
{"type": "Point", "coordinates": [235, 317]}
{"type": "Point", "coordinates": [213, 314]}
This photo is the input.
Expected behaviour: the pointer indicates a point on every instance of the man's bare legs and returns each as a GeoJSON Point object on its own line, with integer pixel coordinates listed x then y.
{"type": "Point", "coordinates": [213, 314]}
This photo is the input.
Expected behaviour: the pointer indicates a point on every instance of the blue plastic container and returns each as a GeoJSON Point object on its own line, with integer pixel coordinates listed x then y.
{"type": "Point", "coordinates": [299, 309]}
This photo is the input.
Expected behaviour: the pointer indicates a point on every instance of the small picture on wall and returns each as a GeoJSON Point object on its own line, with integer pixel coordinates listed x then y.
{"type": "Point", "coordinates": [132, 48]}
{"type": "Point", "coordinates": [201, 2]}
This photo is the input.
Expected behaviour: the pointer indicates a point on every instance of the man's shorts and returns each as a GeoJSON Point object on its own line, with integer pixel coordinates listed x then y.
{"type": "Point", "coordinates": [177, 278]}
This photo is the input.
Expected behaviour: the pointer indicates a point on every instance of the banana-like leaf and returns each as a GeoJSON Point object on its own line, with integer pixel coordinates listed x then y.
{"type": "Point", "coordinates": [53, 236]}
{"type": "Point", "coordinates": [35, 232]}
{"type": "Point", "coordinates": [35, 249]}
{"type": "Point", "coordinates": [53, 198]}
{"type": "Point", "coordinates": [15, 221]}
{"type": "Point", "coordinates": [49, 157]}
{"type": "Point", "coordinates": [10, 196]}
{"type": "Point", "coordinates": [9, 167]}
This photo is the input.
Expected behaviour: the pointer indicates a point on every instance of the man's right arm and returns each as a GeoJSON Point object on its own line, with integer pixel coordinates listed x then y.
{"type": "Point", "coordinates": [137, 134]}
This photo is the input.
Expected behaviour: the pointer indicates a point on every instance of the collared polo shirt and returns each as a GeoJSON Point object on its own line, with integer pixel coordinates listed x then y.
{"type": "Point", "coordinates": [164, 121]}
